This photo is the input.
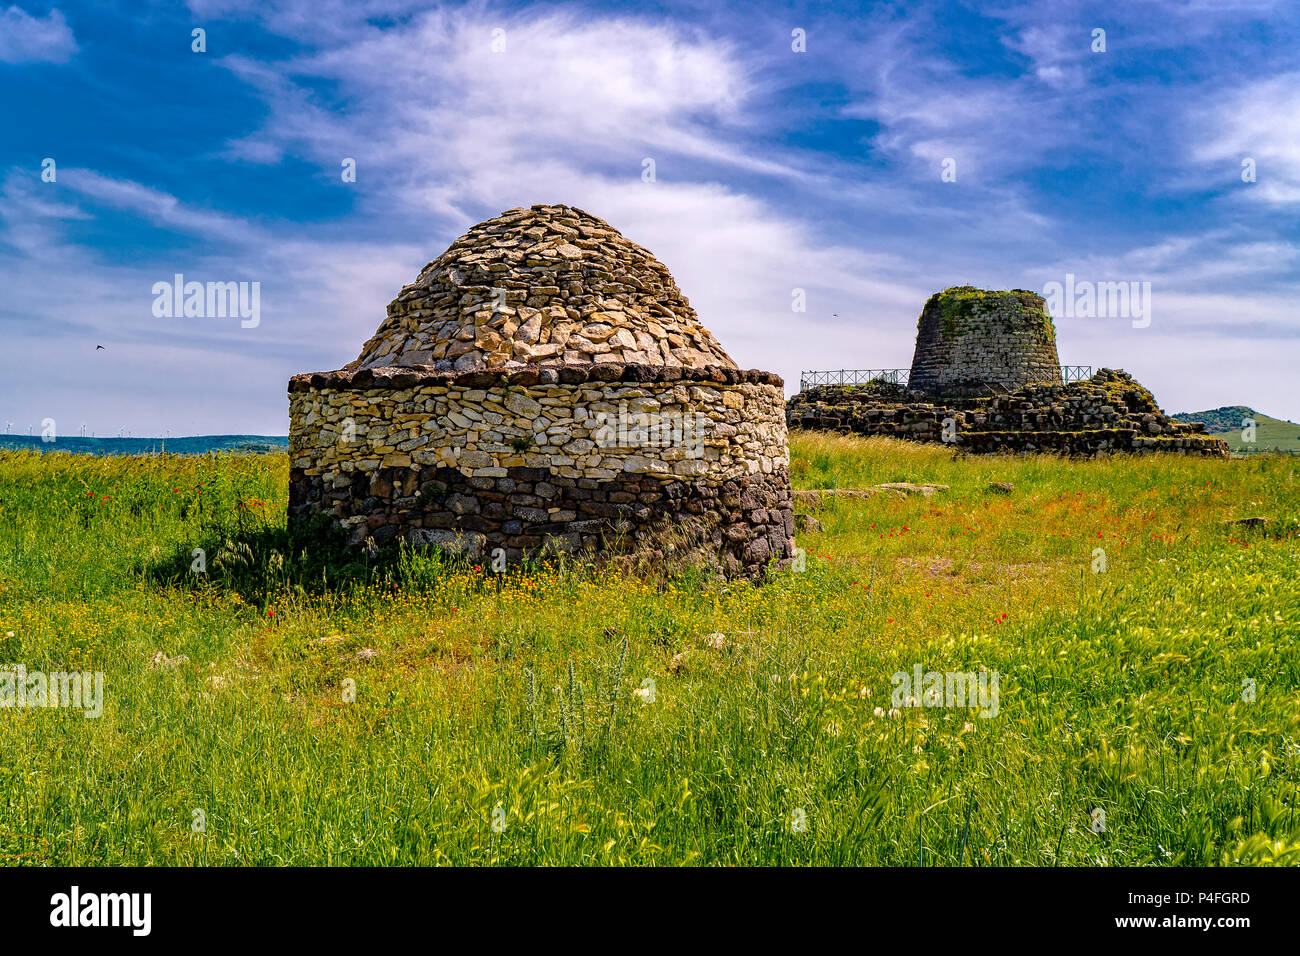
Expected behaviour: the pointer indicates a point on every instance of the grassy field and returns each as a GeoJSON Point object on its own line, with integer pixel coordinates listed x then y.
{"type": "Point", "coordinates": [1271, 434]}
{"type": "Point", "coordinates": [283, 708]}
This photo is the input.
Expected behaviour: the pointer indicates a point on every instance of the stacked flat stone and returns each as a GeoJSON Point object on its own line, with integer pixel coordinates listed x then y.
{"type": "Point", "coordinates": [544, 285]}
{"type": "Point", "coordinates": [973, 342]}
{"type": "Point", "coordinates": [544, 386]}
{"type": "Point", "coordinates": [1108, 413]}
{"type": "Point", "coordinates": [986, 378]}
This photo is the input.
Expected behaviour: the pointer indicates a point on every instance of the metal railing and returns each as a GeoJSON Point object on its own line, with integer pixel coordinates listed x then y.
{"type": "Point", "coordinates": [899, 376]}
{"type": "Point", "coordinates": [854, 376]}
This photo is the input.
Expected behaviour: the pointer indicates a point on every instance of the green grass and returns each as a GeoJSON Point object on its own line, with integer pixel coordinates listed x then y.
{"type": "Point", "coordinates": [1271, 434]}
{"type": "Point", "coordinates": [1119, 691]}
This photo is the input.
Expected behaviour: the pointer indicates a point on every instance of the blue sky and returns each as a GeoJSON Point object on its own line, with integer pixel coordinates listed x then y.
{"type": "Point", "coordinates": [775, 170]}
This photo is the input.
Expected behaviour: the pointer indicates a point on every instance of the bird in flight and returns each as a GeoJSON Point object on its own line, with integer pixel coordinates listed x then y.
{"type": "Point", "coordinates": [98, 347]}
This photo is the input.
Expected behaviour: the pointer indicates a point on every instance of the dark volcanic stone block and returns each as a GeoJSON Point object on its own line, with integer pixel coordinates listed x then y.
{"type": "Point", "coordinates": [746, 543]}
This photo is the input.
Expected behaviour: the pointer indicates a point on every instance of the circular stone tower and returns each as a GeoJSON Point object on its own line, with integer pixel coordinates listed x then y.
{"type": "Point", "coordinates": [970, 342]}
{"type": "Point", "coordinates": [544, 385]}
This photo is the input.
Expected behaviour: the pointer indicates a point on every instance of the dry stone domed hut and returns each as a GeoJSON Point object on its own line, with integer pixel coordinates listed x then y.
{"type": "Point", "coordinates": [985, 378]}
{"type": "Point", "coordinates": [543, 384]}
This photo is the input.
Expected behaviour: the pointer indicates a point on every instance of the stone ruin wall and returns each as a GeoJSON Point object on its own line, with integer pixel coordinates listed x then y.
{"type": "Point", "coordinates": [527, 460]}
{"type": "Point", "coordinates": [968, 341]}
{"type": "Point", "coordinates": [1107, 413]}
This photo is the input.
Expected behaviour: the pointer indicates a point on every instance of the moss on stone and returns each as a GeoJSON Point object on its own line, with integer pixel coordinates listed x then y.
{"type": "Point", "coordinates": [960, 303]}
{"type": "Point", "coordinates": [956, 305]}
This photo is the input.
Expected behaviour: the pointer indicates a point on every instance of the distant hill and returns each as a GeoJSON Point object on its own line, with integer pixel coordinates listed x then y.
{"type": "Point", "coordinates": [1227, 418]}
{"type": "Point", "coordinates": [1270, 433]}
{"type": "Point", "coordinates": [190, 445]}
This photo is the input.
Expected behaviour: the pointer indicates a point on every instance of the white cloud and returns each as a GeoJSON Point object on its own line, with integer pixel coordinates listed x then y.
{"type": "Point", "coordinates": [930, 106]}
{"type": "Point", "coordinates": [1256, 121]}
{"type": "Point", "coordinates": [431, 98]}
{"type": "Point", "coordinates": [567, 114]}
{"type": "Point", "coordinates": [1056, 51]}
{"type": "Point", "coordinates": [446, 133]}
{"type": "Point", "coordinates": [320, 299]}
{"type": "Point", "coordinates": [158, 207]}
{"type": "Point", "coordinates": [28, 39]}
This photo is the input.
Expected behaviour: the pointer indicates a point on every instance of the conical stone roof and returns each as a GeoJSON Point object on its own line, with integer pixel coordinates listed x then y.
{"type": "Point", "coordinates": [544, 285]}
